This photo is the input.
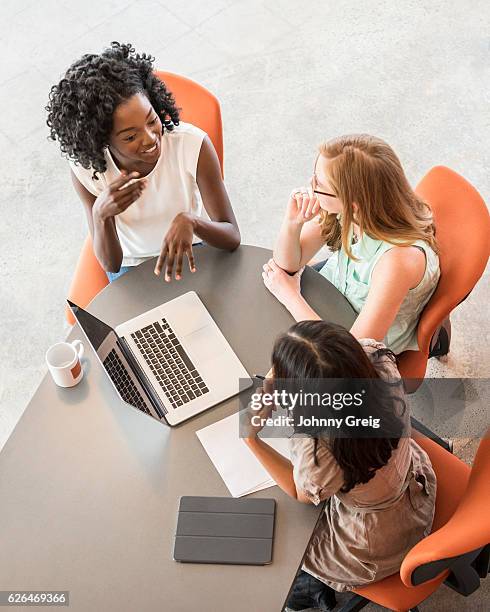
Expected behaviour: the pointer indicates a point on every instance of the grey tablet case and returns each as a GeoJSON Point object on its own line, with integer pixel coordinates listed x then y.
{"type": "Point", "coordinates": [225, 530]}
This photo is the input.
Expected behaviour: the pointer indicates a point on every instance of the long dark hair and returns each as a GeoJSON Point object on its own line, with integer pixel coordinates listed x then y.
{"type": "Point", "coordinates": [319, 350]}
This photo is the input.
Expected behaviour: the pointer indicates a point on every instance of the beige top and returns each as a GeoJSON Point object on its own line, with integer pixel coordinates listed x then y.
{"type": "Point", "coordinates": [364, 534]}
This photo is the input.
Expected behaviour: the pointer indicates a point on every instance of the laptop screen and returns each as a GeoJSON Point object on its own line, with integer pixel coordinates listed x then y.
{"type": "Point", "coordinates": [113, 362]}
{"type": "Point", "coordinates": [95, 330]}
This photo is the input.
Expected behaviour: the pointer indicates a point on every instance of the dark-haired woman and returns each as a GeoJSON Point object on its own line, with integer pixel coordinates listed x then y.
{"type": "Point", "coordinates": [150, 184]}
{"type": "Point", "coordinates": [380, 492]}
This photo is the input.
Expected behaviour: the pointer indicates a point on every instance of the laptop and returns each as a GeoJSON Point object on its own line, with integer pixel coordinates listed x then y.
{"type": "Point", "coordinates": [171, 362]}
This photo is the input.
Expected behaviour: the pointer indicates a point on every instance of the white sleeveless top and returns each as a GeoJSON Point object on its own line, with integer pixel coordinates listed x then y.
{"type": "Point", "coordinates": [171, 189]}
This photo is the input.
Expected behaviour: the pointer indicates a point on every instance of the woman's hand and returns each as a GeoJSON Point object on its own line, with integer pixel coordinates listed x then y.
{"type": "Point", "coordinates": [302, 207]}
{"type": "Point", "coordinates": [281, 284]}
{"type": "Point", "coordinates": [118, 196]}
{"type": "Point", "coordinates": [253, 419]}
{"type": "Point", "coordinates": [176, 244]}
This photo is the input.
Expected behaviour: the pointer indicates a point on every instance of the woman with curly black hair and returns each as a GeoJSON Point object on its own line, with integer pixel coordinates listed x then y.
{"type": "Point", "coordinates": [143, 176]}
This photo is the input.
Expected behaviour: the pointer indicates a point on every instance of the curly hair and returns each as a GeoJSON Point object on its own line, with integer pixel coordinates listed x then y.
{"type": "Point", "coordinates": [81, 106]}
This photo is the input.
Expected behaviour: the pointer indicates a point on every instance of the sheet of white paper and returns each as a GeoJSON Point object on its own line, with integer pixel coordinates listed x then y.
{"type": "Point", "coordinates": [236, 464]}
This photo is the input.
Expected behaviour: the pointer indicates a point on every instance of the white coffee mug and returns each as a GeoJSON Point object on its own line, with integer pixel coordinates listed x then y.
{"type": "Point", "coordinates": [63, 361]}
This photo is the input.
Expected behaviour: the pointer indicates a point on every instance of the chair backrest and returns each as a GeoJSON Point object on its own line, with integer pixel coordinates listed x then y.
{"type": "Point", "coordinates": [466, 529]}
{"type": "Point", "coordinates": [199, 106]}
{"type": "Point", "coordinates": [463, 235]}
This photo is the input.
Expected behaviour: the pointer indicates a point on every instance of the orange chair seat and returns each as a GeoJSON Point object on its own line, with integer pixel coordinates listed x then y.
{"type": "Point", "coordinates": [394, 595]}
{"type": "Point", "coordinates": [452, 479]}
{"type": "Point", "coordinates": [412, 365]}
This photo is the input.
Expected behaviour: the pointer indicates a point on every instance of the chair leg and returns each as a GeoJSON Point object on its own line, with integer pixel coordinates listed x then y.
{"type": "Point", "coordinates": [464, 578]}
{"type": "Point", "coordinates": [482, 562]}
{"type": "Point", "coordinates": [447, 444]}
{"type": "Point", "coordinates": [355, 603]}
{"type": "Point", "coordinates": [443, 341]}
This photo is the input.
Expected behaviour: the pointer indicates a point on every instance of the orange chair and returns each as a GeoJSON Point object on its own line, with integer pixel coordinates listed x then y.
{"type": "Point", "coordinates": [457, 550]}
{"type": "Point", "coordinates": [200, 107]}
{"type": "Point", "coordinates": [463, 234]}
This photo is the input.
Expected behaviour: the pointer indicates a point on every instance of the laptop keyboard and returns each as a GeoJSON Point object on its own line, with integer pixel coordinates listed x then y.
{"type": "Point", "coordinates": [167, 359]}
{"type": "Point", "coordinates": [124, 384]}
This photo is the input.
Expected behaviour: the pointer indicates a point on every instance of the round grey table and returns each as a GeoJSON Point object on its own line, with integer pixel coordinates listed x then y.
{"type": "Point", "coordinates": [90, 487]}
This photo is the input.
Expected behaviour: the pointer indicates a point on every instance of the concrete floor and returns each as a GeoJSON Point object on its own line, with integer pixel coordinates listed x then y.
{"type": "Point", "coordinates": [288, 75]}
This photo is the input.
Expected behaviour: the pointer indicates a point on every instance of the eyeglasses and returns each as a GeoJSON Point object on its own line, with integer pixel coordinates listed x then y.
{"type": "Point", "coordinates": [330, 195]}
{"type": "Point", "coordinates": [325, 193]}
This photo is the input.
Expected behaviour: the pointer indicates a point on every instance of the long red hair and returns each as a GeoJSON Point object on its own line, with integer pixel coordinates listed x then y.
{"type": "Point", "coordinates": [365, 170]}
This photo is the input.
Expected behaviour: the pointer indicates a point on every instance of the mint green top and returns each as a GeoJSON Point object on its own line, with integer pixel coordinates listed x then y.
{"type": "Point", "coordinates": [353, 279]}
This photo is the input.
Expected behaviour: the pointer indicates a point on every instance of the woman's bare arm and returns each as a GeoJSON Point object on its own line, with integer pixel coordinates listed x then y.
{"type": "Point", "coordinates": [222, 230]}
{"type": "Point", "coordinates": [397, 271]}
{"type": "Point", "coordinates": [100, 213]}
{"type": "Point", "coordinates": [297, 244]}
{"type": "Point", "coordinates": [279, 468]}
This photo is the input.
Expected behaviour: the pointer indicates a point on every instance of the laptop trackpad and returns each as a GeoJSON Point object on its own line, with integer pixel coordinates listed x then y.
{"type": "Point", "coordinates": [203, 345]}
